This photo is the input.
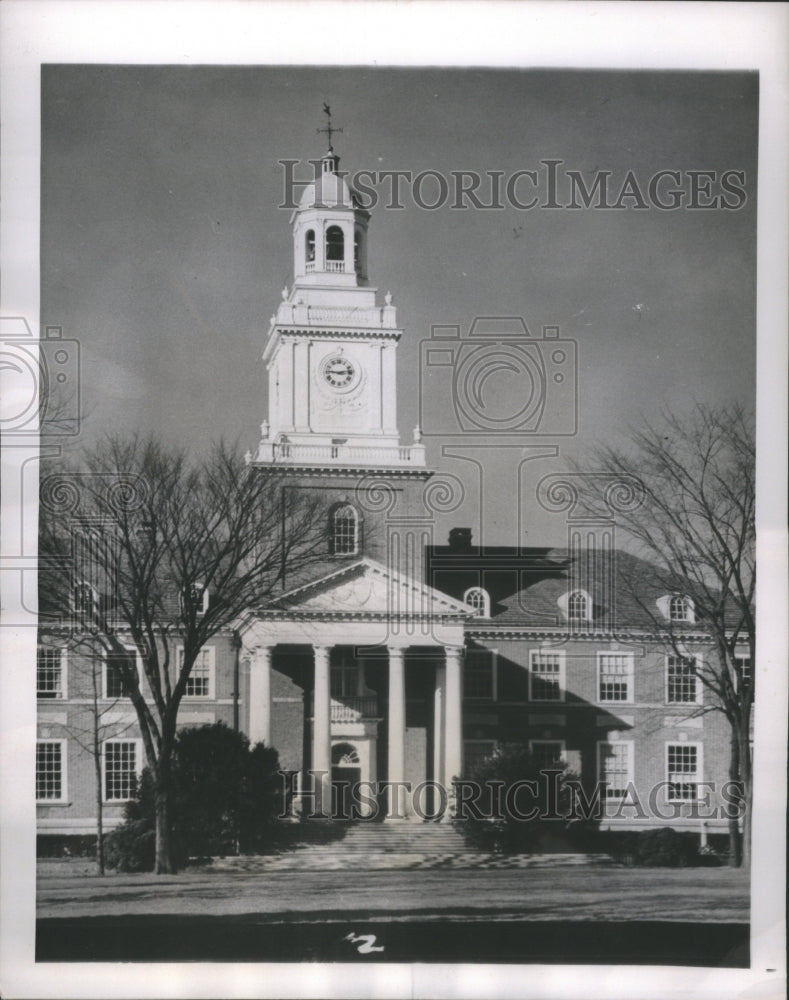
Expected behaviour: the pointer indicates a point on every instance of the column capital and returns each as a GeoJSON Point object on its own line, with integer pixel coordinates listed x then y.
{"type": "Point", "coordinates": [454, 652]}
{"type": "Point", "coordinates": [320, 651]}
{"type": "Point", "coordinates": [261, 652]}
{"type": "Point", "coordinates": [396, 652]}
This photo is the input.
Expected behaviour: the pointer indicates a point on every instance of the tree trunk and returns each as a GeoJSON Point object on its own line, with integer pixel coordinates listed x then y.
{"type": "Point", "coordinates": [97, 767]}
{"type": "Point", "coordinates": [99, 813]}
{"type": "Point", "coordinates": [735, 840]}
{"type": "Point", "coordinates": [164, 860]}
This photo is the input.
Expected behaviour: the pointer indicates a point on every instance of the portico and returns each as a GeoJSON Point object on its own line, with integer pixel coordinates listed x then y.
{"type": "Point", "coordinates": [352, 610]}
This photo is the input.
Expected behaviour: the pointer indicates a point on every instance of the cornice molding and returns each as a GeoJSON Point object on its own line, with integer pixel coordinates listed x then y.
{"type": "Point", "coordinates": [335, 332]}
{"type": "Point", "coordinates": [331, 471]}
{"type": "Point", "coordinates": [531, 632]}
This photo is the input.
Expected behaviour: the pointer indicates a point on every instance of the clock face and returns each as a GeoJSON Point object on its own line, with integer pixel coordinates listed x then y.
{"type": "Point", "coordinates": [339, 372]}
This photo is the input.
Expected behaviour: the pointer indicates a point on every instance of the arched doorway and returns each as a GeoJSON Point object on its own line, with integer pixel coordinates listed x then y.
{"type": "Point", "coordinates": [346, 773]}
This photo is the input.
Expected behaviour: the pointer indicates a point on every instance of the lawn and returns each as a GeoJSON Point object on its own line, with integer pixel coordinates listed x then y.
{"type": "Point", "coordinates": [557, 892]}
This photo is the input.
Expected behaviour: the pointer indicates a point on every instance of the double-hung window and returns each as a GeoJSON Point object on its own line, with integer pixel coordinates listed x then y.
{"type": "Point", "coordinates": [615, 677]}
{"type": "Point", "coordinates": [479, 674]}
{"type": "Point", "coordinates": [743, 661]}
{"type": "Point", "coordinates": [122, 766]}
{"type": "Point", "coordinates": [50, 672]}
{"type": "Point", "coordinates": [547, 753]}
{"type": "Point", "coordinates": [683, 771]}
{"type": "Point", "coordinates": [115, 664]}
{"type": "Point", "coordinates": [201, 677]}
{"type": "Point", "coordinates": [50, 770]}
{"type": "Point", "coordinates": [614, 768]}
{"type": "Point", "coordinates": [682, 683]}
{"type": "Point", "coordinates": [546, 675]}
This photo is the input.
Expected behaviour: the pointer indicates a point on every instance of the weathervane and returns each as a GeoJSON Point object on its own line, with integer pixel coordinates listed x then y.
{"type": "Point", "coordinates": [329, 130]}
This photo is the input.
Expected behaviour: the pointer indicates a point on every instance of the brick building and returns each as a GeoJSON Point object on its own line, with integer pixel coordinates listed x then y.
{"type": "Point", "coordinates": [397, 659]}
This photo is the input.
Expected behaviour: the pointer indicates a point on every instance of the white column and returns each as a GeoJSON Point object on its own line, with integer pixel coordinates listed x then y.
{"type": "Point", "coordinates": [321, 729]}
{"type": "Point", "coordinates": [396, 771]}
{"type": "Point", "coordinates": [439, 697]}
{"type": "Point", "coordinates": [453, 717]}
{"type": "Point", "coordinates": [260, 696]}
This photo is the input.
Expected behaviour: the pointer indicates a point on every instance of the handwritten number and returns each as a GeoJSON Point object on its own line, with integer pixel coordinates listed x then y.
{"type": "Point", "coordinates": [365, 943]}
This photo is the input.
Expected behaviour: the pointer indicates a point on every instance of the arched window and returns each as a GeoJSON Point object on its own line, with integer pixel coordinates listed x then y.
{"type": "Point", "coordinates": [679, 610]}
{"type": "Point", "coordinates": [577, 607]}
{"type": "Point", "coordinates": [344, 531]}
{"type": "Point", "coordinates": [198, 600]}
{"type": "Point", "coordinates": [309, 245]}
{"type": "Point", "coordinates": [479, 599]}
{"type": "Point", "coordinates": [344, 755]}
{"type": "Point", "coordinates": [335, 244]}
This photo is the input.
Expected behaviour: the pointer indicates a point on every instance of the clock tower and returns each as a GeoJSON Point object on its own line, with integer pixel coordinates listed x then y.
{"type": "Point", "coordinates": [331, 348]}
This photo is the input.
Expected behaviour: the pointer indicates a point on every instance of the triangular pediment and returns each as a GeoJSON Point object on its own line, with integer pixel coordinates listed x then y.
{"type": "Point", "coordinates": [370, 588]}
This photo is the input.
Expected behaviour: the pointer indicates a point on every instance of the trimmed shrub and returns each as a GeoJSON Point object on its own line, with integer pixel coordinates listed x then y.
{"type": "Point", "coordinates": [225, 798]}
{"type": "Point", "coordinates": [667, 848]}
{"type": "Point", "coordinates": [131, 846]}
{"type": "Point", "coordinates": [69, 845]}
{"type": "Point", "coordinates": [664, 847]}
{"type": "Point", "coordinates": [509, 768]}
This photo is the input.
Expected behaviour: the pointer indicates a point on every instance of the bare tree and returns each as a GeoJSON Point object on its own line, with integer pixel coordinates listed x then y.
{"type": "Point", "coordinates": [159, 553]}
{"type": "Point", "coordinates": [696, 527]}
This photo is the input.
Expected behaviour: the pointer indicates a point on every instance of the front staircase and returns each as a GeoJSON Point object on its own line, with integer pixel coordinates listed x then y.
{"type": "Point", "coordinates": [388, 846]}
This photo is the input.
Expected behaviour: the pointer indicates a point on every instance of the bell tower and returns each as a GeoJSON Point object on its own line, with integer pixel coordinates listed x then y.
{"type": "Point", "coordinates": [331, 349]}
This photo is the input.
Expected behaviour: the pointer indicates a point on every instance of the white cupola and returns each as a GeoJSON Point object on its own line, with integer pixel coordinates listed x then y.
{"type": "Point", "coordinates": [330, 231]}
{"type": "Point", "coordinates": [332, 349]}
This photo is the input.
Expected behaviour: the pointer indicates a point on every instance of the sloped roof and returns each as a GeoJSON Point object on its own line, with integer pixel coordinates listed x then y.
{"type": "Point", "coordinates": [624, 590]}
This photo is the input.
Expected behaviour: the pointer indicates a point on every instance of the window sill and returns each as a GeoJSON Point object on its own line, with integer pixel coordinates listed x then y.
{"type": "Point", "coordinates": [53, 802]}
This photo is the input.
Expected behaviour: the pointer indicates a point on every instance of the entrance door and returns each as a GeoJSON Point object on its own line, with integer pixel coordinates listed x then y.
{"type": "Point", "coordinates": [346, 773]}
{"type": "Point", "coordinates": [344, 781]}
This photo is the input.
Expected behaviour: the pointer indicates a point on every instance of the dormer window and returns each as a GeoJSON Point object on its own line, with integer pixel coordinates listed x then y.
{"type": "Point", "coordinates": [479, 599]}
{"type": "Point", "coordinates": [344, 531]}
{"type": "Point", "coordinates": [309, 246]}
{"type": "Point", "coordinates": [676, 608]}
{"type": "Point", "coordinates": [335, 249]}
{"type": "Point", "coordinates": [577, 607]}
{"type": "Point", "coordinates": [85, 599]}
{"type": "Point", "coordinates": [198, 599]}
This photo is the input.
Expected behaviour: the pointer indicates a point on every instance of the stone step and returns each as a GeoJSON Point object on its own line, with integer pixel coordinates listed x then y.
{"type": "Point", "coordinates": [312, 861]}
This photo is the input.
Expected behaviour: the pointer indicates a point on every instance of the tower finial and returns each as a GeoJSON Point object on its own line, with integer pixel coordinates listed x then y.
{"type": "Point", "coordinates": [330, 129]}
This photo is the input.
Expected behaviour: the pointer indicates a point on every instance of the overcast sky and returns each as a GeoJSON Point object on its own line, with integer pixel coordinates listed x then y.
{"type": "Point", "coordinates": [164, 251]}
